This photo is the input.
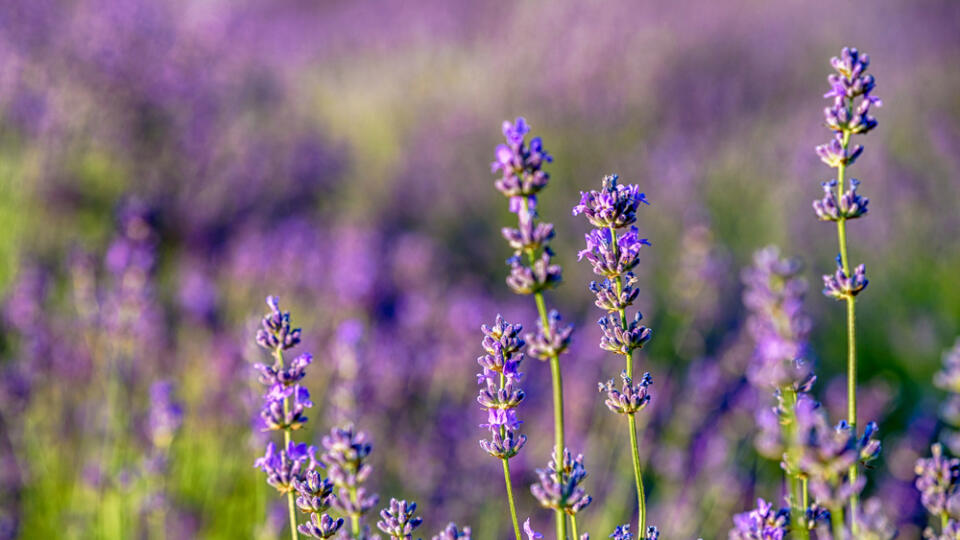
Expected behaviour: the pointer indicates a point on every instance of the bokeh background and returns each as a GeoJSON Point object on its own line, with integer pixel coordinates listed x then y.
{"type": "Point", "coordinates": [166, 165]}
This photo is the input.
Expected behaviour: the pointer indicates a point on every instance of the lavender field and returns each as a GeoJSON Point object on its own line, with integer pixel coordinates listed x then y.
{"type": "Point", "coordinates": [358, 269]}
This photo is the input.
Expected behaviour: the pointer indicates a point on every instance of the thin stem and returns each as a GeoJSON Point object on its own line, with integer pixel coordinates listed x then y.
{"type": "Point", "coordinates": [851, 336]}
{"type": "Point", "coordinates": [792, 457]}
{"type": "Point", "coordinates": [836, 519]}
{"type": "Point", "coordinates": [354, 518]}
{"type": "Point", "coordinates": [637, 477]}
{"type": "Point", "coordinates": [631, 421]}
{"type": "Point", "coordinates": [944, 521]}
{"type": "Point", "coordinates": [291, 507]}
{"type": "Point", "coordinates": [513, 508]}
{"type": "Point", "coordinates": [557, 379]}
{"type": "Point", "coordinates": [573, 527]}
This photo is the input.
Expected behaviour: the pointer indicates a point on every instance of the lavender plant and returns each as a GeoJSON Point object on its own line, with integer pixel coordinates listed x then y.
{"type": "Point", "coordinates": [851, 90]}
{"type": "Point", "coordinates": [345, 454]}
{"type": "Point", "coordinates": [290, 470]}
{"type": "Point", "coordinates": [938, 477]}
{"type": "Point", "coordinates": [500, 395]}
{"type": "Point", "coordinates": [779, 326]}
{"type": "Point", "coordinates": [531, 269]}
{"type": "Point", "coordinates": [613, 255]}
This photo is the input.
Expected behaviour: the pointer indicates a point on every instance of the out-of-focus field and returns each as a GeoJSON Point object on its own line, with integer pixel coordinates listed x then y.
{"type": "Point", "coordinates": [166, 165]}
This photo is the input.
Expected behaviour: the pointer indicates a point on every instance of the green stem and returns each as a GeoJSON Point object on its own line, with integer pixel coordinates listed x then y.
{"type": "Point", "coordinates": [291, 506]}
{"type": "Point", "coordinates": [637, 477]}
{"type": "Point", "coordinates": [631, 420]}
{"type": "Point", "coordinates": [944, 521]}
{"type": "Point", "coordinates": [851, 335]}
{"type": "Point", "coordinates": [354, 518]}
{"type": "Point", "coordinates": [513, 507]}
{"type": "Point", "coordinates": [836, 519]}
{"type": "Point", "coordinates": [573, 527]}
{"type": "Point", "coordinates": [557, 379]}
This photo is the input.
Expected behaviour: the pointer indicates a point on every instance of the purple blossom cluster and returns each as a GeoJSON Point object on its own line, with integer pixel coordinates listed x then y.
{"type": "Point", "coordinates": [613, 251]}
{"type": "Point", "coordinates": [774, 294]}
{"type": "Point", "coordinates": [613, 255]}
{"type": "Point", "coordinates": [291, 469]}
{"type": "Point", "coordinates": [559, 486]}
{"type": "Point", "coordinates": [522, 177]}
{"type": "Point", "coordinates": [500, 391]}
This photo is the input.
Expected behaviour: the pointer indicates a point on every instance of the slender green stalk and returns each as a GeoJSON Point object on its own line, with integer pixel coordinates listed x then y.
{"type": "Point", "coordinates": [631, 421]}
{"type": "Point", "coordinates": [794, 481]}
{"type": "Point", "coordinates": [836, 519]}
{"type": "Point", "coordinates": [354, 518]}
{"type": "Point", "coordinates": [291, 506]}
{"type": "Point", "coordinates": [573, 527]}
{"type": "Point", "coordinates": [944, 521]}
{"type": "Point", "coordinates": [851, 334]}
{"type": "Point", "coordinates": [513, 507]}
{"type": "Point", "coordinates": [557, 379]}
{"type": "Point", "coordinates": [637, 477]}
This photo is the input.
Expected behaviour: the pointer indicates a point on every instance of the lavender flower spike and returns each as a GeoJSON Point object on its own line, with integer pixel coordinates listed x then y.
{"type": "Point", "coordinates": [762, 523]}
{"type": "Point", "coordinates": [937, 480]}
{"type": "Point", "coordinates": [531, 272]}
{"type": "Point", "coordinates": [345, 454]}
{"type": "Point", "coordinates": [559, 485]}
{"type": "Point", "coordinates": [613, 251]}
{"type": "Point", "coordinates": [501, 394]}
{"type": "Point", "coordinates": [398, 520]}
{"type": "Point", "coordinates": [851, 92]}
{"type": "Point", "coordinates": [285, 402]}
{"type": "Point", "coordinates": [631, 398]}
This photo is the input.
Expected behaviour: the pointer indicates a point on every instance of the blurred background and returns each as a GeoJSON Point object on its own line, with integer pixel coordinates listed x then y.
{"type": "Point", "coordinates": [166, 165]}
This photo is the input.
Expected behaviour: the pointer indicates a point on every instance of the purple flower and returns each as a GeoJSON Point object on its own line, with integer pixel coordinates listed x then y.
{"type": "Point", "coordinates": [398, 520]}
{"type": "Point", "coordinates": [841, 286]}
{"type": "Point", "coordinates": [276, 333]}
{"type": "Point", "coordinates": [501, 395]}
{"type": "Point", "coordinates": [613, 254]}
{"type": "Point", "coordinates": [622, 532]}
{"type": "Point", "coordinates": [286, 467]}
{"type": "Point", "coordinates": [937, 480]}
{"type": "Point", "coordinates": [314, 493]}
{"type": "Point", "coordinates": [520, 165]}
{"type": "Point", "coordinates": [531, 534]}
{"type": "Point", "coordinates": [614, 205]}
{"type": "Point", "coordinates": [535, 277]}
{"type": "Point", "coordinates": [851, 91]}
{"type": "Point", "coordinates": [761, 523]}
{"type": "Point", "coordinates": [630, 398]}
{"type": "Point", "coordinates": [850, 205]}
{"type": "Point", "coordinates": [559, 486]}
{"type": "Point", "coordinates": [345, 453]}
{"type": "Point", "coordinates": [166, 415]}
{"type": "Point", "coordinates": [778, 323]}
{"type": "Point", "coordinates": [321, 526]}
{"type": "Point", "coordinates": [833, 153]}
{"type": "Point", "coordinates": [275, 375]}
{"type": "Point", "coordinates": [550, 341]}
{"type": "Point", "coordinates": [948, 378]}
{"type": "Point", "coordinates": [451, 532]}
{"type": "Point", "coordinates": [608, 298]}
{"type": "Point", "coordinates": [279, 412]}
{"type": "Point", "coordinates": [622, 340]}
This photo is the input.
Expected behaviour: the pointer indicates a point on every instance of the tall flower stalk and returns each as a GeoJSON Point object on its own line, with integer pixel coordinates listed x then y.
{"type": "Point", "coordinates": [292, 469]}
{"type": "Point", "coordinates": [531, 268]}
{"type": "Point", "coordinates": [774, 293]}
{"type": "Point", "coordinates": [500, 394]}
{"type": "Point", "coordinates": [613, 250]}
{"type": "Point", "coordinates": [851, 91]}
